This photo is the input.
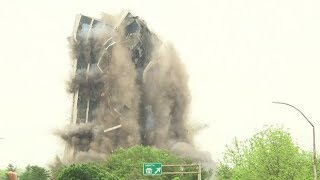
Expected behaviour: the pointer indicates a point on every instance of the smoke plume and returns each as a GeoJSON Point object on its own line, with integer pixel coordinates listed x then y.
{"type": "Point", "coordinates": [148, 103]}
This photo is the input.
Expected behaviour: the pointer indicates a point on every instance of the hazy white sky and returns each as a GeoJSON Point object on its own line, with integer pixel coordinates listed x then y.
{"type": "Point", "coordinates": [241, 56]}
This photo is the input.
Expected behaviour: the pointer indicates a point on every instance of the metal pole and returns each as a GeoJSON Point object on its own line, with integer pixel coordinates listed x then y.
{"type": "Point", "coordinates": [314, 155]}
{"type": "Point", "coordinates": [199, 172]}
{"type": "Point", "coordinates": [314, 139]}
{"type": "Point", "coordinates": [184, 172]}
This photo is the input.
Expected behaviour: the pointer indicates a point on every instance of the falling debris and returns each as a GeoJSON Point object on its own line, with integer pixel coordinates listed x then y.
{"type": "Point", "coordinates": [113, 128]}
{"type": "Point", "coordinates": [128, 88]}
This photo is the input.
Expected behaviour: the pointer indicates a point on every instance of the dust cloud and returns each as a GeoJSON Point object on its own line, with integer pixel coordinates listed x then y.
{"type": "Point", "coordinates": [144, 93]}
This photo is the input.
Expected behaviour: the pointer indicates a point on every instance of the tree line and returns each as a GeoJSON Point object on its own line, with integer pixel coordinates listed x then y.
{"type": "Point", "coordinates": [268, 155]}
{"type": "Point", "coordinates": [122, 165]}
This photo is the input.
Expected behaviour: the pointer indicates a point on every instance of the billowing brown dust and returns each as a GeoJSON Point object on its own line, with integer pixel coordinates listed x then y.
{"type": "Point", "coordinates": [151, 105]}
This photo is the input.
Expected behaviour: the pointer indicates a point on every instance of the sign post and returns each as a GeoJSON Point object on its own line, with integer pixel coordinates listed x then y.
{"type": "Point", "coordinates": [150, 169]}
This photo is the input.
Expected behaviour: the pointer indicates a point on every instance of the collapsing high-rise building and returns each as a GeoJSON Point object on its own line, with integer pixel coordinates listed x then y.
{"type": "Point", "coordinates": [138, 39]}
{"type": "Point", "coordinates": [128, 88]}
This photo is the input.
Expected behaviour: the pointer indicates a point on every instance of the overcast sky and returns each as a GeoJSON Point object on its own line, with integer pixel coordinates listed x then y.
{"type": "Point", "coordinates": [240, 55]}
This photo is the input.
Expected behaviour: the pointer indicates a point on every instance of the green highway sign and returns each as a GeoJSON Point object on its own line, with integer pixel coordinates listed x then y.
{"type": "Point", "coordinates": [152, 169]}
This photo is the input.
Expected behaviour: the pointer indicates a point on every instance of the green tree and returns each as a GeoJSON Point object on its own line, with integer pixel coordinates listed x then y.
{"type": "Point", "coordinates": [128, 163]}
{"type": "Point", "coordinates": [270, 154]}
{"type": "Point", "coordinates": [11, 167]}
{"type": "Point", "coordinates": [56, 167]}
{"type": "Point", "coordinates": [85, 172]}
{"type": "Point", "coordinates": [35, 173]}
{"type": "Point", "coordinates": [3, 175]}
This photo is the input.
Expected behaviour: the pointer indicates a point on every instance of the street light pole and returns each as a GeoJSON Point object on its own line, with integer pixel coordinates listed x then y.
{"type": "Point", "coordinates": [314, 139]}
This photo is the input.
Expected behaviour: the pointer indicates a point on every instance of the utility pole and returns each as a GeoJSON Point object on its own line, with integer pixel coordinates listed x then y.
{"type": "Point", "coordinates": [314, 139]}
